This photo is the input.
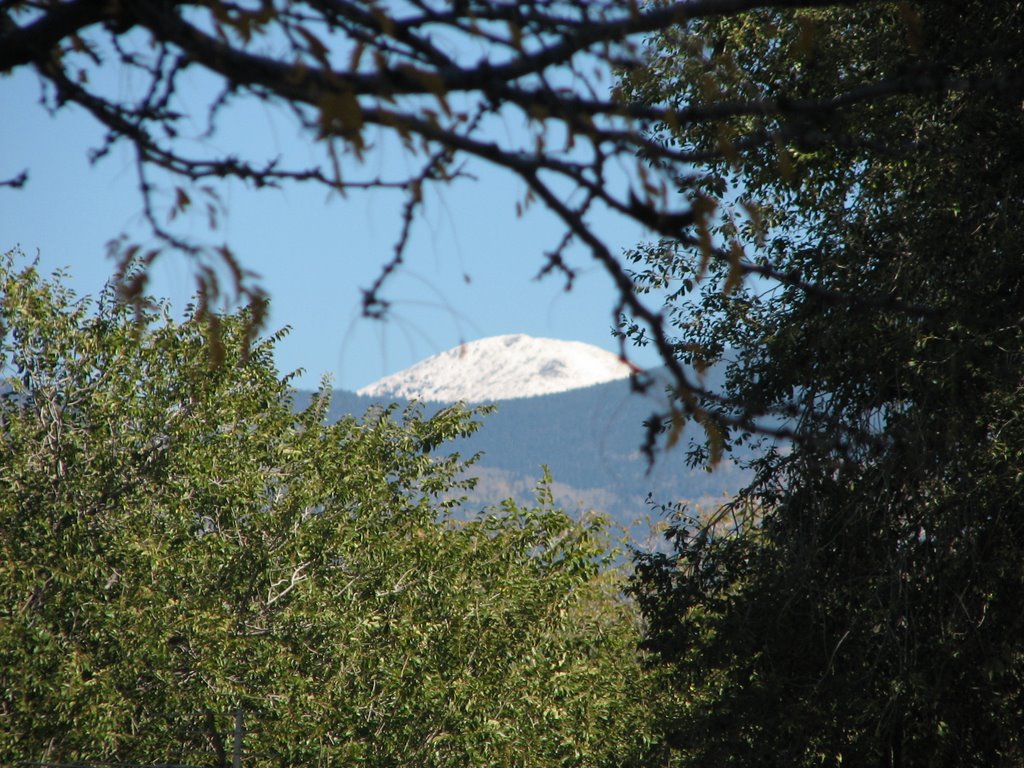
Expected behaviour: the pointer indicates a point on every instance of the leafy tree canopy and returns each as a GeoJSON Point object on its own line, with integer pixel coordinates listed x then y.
{"type": "Point", "coordinates": [858, 603]}
{"type": "Point", "coordinates": [177, 542]}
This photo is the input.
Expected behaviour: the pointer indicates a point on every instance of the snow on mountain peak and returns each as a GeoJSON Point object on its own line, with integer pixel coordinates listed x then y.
{"type": "Point", "coordinates": [502, 368]}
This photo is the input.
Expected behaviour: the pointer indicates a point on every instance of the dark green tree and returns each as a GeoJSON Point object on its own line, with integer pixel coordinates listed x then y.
{"type": "Point", "coordinates": [178, 543]}
{"type": "Point", "coordinates": [858, 603]}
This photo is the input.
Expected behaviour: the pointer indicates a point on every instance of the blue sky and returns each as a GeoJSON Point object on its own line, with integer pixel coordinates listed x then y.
{"type": "Point", "coordinates": [314, 254]}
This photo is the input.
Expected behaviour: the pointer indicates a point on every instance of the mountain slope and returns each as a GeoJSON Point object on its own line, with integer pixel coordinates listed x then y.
{"type": "Point", "coordinates": [590, 438]}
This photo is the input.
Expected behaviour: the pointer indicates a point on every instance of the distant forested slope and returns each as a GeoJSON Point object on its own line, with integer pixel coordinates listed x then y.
{"type": "Point", "coordinates": [590, 438]}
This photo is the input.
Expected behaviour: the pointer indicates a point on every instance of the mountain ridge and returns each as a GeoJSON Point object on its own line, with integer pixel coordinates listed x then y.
{"type": "Point", "coordinates": [502, 368]}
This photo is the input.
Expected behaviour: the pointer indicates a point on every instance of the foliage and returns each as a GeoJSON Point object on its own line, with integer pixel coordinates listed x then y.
{"type": "Point", "coordinates": [436, 86]}
{"type": "Point", "coordinates": [177, 542]}
{"type": "Point", "coordinates": [861, 605]}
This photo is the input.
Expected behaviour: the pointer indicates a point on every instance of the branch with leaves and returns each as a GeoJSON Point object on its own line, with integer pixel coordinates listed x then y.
{"type": "Point", "coordinates": [432, 77]}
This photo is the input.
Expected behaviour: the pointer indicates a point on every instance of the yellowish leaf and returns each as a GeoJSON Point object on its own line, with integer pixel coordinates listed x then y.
{"type": "Point", "coordinates": [807, 37]}
{"type": "Point", "coordinates": [316, 45]}
{"type": "Point", "coordinates": [676, 430]}
{"type": "Point", "coordinates": [340, 113]}
{"type": "Point", "coordinates": [735, 277]}
{"type": "Point", "coordinates": [912, 18]}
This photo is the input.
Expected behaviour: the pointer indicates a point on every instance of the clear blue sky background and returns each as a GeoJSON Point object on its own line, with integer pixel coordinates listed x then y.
{"type": "Point", "coordinates": [314, 254]}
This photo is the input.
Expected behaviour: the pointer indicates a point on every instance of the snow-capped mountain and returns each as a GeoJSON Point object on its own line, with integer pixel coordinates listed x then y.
{"type": "Point", "coordinates": [502, 368]}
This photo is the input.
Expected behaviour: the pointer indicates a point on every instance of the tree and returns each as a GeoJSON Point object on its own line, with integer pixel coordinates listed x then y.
{"type": "Point", "coordinates": [177, 542]}
{"type": "Point", "coordinates": [428, 79]}
{"type": "Point", "coordinates": [857, 603]}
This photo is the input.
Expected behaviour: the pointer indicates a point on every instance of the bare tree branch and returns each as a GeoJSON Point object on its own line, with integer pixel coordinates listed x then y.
{"type": "Point", "coordinates": [427, 74]}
